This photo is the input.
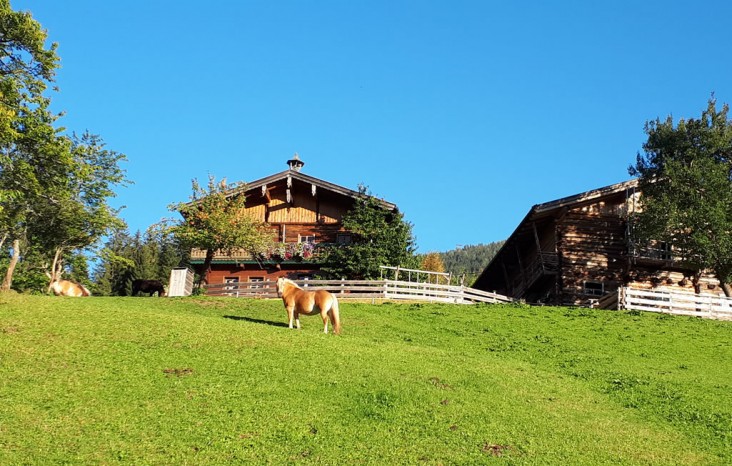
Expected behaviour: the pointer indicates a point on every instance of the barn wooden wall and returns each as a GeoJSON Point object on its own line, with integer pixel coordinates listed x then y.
{"type": "Point", "coordinates": [592, 247]}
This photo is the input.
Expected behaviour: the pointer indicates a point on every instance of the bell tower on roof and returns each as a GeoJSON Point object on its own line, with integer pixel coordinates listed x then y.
{"type": "Point", "coordinates": [295, 163]}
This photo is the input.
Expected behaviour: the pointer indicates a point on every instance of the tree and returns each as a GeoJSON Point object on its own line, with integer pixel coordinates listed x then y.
{"type": "Point", "coordinates": [432, 262]}
{"type": "Point", "coordinates": [215, 220]}
{"type": "Point", "coordinates": [53, 188]}
{"type": "Point", "coordinates": [380, 237]}
{"type": "Point", "coordinates": [77, 214]}
{"type": "Point", "coordinates": [27, 67]}
{"type": "Point", "coordinates": [685, 177]}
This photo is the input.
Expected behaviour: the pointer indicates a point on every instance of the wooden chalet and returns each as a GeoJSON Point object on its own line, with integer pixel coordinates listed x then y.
{"type": "Point", "coordinates": [575, 250]}
{"type": "Point", "coordinates": [303, 212]}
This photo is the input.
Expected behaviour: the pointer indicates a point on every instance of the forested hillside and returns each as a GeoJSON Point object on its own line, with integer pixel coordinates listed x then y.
{"type": "Point", "coordinates": [470, 260]}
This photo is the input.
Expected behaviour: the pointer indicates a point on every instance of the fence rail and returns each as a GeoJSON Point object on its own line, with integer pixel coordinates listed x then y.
{"type": "Point", "coordinates": [365, 289]}
{"type": "Point", "coordinates": [688, 304]}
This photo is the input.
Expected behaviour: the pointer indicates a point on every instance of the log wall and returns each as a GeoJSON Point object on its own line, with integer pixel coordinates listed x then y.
{"type": "Point", "coordinates": [592, 248]}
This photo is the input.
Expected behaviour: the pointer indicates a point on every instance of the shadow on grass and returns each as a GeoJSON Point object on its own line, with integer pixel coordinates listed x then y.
{"type": "Point", "coordinates": [258, 321]}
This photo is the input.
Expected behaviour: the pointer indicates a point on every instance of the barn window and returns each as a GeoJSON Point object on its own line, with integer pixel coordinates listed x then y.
{"type": "Point", "coordinates": [664, 251]}
{"type": "Point", "coordinates": [594, 288]}
{"type": "Point", "coordinates": [256, 282]}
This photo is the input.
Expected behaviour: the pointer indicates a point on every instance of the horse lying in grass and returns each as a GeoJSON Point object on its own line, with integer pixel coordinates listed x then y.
{"type": "Point", "coordinates": [298, 301]}
{"type": "Point", "coordinates": [68, 288]}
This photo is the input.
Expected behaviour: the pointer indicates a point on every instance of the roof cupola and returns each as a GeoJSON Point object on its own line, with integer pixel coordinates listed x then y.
{"type": "Point", "coordinates": [295, 163]}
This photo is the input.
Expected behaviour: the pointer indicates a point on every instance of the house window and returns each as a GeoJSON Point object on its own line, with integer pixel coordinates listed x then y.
{"type": "Point", "coordinates": [594, 288]}
{"type": "Point", "coordinates": [255, 282]}
{"type": "Point", "coordinates": [306, 239]}
{"type": "Point", "coordinates": [343, 238]}
{"type": "Point", "coordinates": [232, 286]}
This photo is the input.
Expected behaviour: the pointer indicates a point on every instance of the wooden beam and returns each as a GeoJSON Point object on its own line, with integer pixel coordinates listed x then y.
{"type": "Point", "coordinates": [538, 246]}
{"type": "Point", "coordinates": [266, 194]}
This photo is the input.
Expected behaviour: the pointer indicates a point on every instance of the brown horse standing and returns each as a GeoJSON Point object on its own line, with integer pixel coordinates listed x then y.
{"type": "Point", "coordinates": [298, 301]}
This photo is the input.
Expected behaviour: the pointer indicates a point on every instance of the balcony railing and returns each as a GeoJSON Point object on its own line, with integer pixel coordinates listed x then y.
{"type": "Point", "coordinates": [541, 264]}
{"type": "Point", "coordinates": [279, 252]}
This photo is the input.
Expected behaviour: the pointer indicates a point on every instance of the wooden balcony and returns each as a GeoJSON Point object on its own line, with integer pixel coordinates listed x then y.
{"type": "Point", "coordinates": [287, 252]}
{"type": "Point", "coordinates": [200, 254]}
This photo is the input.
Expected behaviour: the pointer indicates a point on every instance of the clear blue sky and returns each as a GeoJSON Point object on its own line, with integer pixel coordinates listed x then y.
{"type": "Point", "coordinates": [463, 113]}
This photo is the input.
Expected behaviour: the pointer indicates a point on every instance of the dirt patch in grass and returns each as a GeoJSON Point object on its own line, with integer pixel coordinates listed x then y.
{"type": "Point", "coordinates": [170, 372]}
{"type": "Point", "coordinates": [495, 450]}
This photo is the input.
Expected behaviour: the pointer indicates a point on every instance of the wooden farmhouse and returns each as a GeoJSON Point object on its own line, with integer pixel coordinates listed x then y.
{"type": "Point", "coordinates": [303, 212]}
{"type": "Point", "coordinates": [575, 250]}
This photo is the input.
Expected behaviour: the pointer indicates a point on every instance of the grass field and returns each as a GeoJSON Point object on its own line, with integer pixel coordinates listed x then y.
{"type": "Point", "coordinates": [223, 381]}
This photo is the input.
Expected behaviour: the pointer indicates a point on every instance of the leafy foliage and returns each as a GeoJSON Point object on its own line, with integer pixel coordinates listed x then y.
{"type": "Point", "coordinates": [215, 220]}
{"type": "Point", "coordinates": [432, 261]}
{"type": "Point", "coordinates": [53, 188]}
{"type": "Point", "coordinates": [380, 237]}
{"type": "Point", "coordinates": [685, 177]}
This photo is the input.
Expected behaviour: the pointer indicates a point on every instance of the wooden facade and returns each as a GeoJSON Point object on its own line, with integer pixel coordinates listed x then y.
{"type": "Point", "coordinates": [574, 250]}
{"type": "Point", "coordinates": [300, 209]}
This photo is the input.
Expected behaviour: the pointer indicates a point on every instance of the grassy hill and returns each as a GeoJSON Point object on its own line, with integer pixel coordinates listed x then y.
{"type": "Point", "coordinates": [222, 381]}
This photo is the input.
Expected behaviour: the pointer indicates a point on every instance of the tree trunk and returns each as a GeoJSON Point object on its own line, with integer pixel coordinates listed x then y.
{"type": "Point", "coordinates": [203, 279]}
{"type": "Point", "coordinates": [8, 281]}
{"type": "Point", "coordinates": [727, 288]}
{"type": "Point", "coordinates": [56, 267]}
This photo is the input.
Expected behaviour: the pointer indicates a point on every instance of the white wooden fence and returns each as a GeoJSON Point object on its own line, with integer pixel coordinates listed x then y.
{"type": "Point", "coordinates": [687, 304]}
{"type": "Point", "coordinates": [365, 289]}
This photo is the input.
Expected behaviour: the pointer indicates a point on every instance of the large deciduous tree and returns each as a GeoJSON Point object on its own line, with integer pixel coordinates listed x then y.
{"type": "Point", "coordinates": [215, 219]}
{"type": "Point", "coordinates": [53, 188]}
{"type": "Point", "coordinates": [27, 68]}
{"type": "Point", "coordinates": [685, 177]}
{"type": "Point", "coordinates": [380, 237]}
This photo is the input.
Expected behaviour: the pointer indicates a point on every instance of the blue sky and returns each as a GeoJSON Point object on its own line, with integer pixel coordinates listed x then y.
{"type": "Point", "coordinates": [463, 113]}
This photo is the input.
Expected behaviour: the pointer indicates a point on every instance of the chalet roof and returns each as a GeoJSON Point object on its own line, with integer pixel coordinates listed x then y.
{"type": "Point", "coordinates": [551, 208]}
{"type": "Point", "coordinates": [320, 184]}
{"type": "Point", "coordinates": [586, 197]}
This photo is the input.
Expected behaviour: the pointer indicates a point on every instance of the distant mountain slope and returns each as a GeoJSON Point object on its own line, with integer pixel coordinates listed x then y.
{"type": "Point", "coordinates": [470, 260]}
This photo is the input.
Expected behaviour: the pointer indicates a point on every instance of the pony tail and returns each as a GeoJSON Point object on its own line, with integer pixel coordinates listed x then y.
{"type": "Point", "coordinates": [335, 316]}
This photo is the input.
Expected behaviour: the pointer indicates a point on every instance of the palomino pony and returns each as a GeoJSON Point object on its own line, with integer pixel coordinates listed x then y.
{"type": "Point", "coordinates": [68, 288]}
{"type": "Point", "coordinates": [298, 301]}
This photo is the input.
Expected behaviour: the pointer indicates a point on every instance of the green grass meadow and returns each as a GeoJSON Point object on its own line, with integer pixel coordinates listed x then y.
{"type": "Point", "coordinates": [223, 381]}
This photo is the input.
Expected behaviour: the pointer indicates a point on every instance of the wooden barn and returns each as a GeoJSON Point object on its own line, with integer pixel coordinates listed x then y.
{"type": "Point", "coordinates": [575, 250]}
{"type": "Point", "coordinates": [303, 212]}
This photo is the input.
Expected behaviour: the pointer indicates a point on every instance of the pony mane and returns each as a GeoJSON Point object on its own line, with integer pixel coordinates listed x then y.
{"type": "Point", "coordinates": [287, 280]}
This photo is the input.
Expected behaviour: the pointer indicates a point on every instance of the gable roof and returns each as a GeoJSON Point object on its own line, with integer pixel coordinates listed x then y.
{"type": "Point", "coordinates": [321, 184]}
{"type": "Point", "coordinates": [583, 198]}
{"type": "Point", "coordinates": [296, 175]}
